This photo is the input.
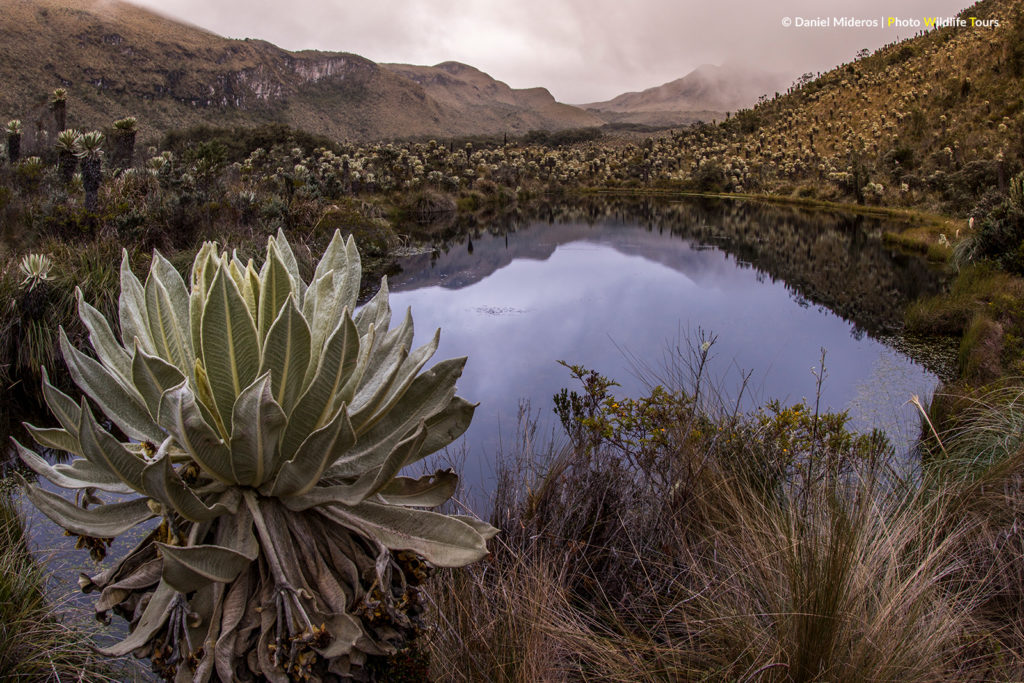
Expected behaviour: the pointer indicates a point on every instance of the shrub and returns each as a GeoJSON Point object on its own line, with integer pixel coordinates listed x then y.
{"type": "Point", "coordinates": [1001, 233]}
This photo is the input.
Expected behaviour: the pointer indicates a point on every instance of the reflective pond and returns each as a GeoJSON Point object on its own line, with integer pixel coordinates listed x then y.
{"type": "Point", "coordinates": [618, 286]}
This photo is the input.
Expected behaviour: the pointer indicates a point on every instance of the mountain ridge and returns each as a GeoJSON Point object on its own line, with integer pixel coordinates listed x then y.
{"type": "Point", "coordinates": [117, 59]}
{"type": "Point", "coordinates": [463, 86]}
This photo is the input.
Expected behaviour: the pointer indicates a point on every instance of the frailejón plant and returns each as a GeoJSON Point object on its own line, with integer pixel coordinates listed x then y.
{"type": "Point", "coordinates": [67, 154]}
{"type": "Point", "coordinates": [266, 425]}
{"type": "Point", "coordinates": [90, 151]}
{"type": "Point", "coordinates": [36, 269]}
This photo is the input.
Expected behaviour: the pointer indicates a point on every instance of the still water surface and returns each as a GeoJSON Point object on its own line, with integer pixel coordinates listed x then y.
{"type": "Point", "coordinates": [605, 291]}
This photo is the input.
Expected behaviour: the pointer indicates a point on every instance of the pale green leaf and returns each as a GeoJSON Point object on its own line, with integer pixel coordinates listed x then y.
{"type": "Point", "coordinates": [369, 483]}
{"type": "Point", "coordinates": [110, 353]}
{"type": "Point", "coordinates": [163, 483]}
{"type": "Point", "coordinates": [446, 426]}
{"type": "Point", "coordinates": [256, 426]}
{"type": "Point", "coordinates": [288, 259]}
{"type": "Point", "coordinates": [100, 448]}
{"type": "Point", "coordinates": [122, 406]}
{"type": "Point", "coordinates": [79, 475]}
{"type": "Point", "coordinates": [382, 367]}
{"type": "Point", "coordinates": [483, 528]}
{"type": "Point", "coordinates": [275, 288]}
{"type": "Point", "coordinates": [314, 407]}
{"type": "Point", "coordinates": [189, 568]}
{"type": "Point", "coordinates": [376, 312]}
{"type": "Point", "coordinates": [175, 285]}
{"type": "Point", "coordinates": [63, 407]}
{"type": "Point", "coordinates": [385, 400]}
{"type": "Point", "coordinates": [335, 288]}
{"type": "Point", "coordinates": [443, 540]}
{"type": "Point", "coordinates": [102, 521]}
{"type": "Point", "coordinates": [428, 395]}
{"type": "Point", "coordinates": [131, 308]}
{"type": "Point", "coordinates": [314, 456]}
{"type": "Point", "coordinates": [207, 404]}
{"type": "Point", "coordinates": [355, 378]}
{"type": "Point", "coordinates": [212, 260]}
{"type": "Point", "coordinates": [82, 469]}
{"type": "Point", "coordinates": [428, 491]}
{"type": "Point", "coordinates": [151, 621]}
{"type": "Point", "coordinates": [239, 273]}
{"type": "Point", "coordinates": [286, 354]}
{"type": "Point", "coordinates": [152, 376]}
{"type": "Point", "coordinates": [231, 350]}
{"type": "Point", "coordinates": [178, 293]}
{"type": "Point", "coordinates": [320, 310]}
{"type": "Point", "coordinates": [335, 257]}
{"type": "Point", "coordinates": [353, 275]}
{"type": "Point", "coordinates": [172, 341]}
{"type": "Point", "coordinates": [201, 268]}
{"type": "Point", "coordinates": [55, 438]}
{"type": "Point", "coordinates": [180, 414]}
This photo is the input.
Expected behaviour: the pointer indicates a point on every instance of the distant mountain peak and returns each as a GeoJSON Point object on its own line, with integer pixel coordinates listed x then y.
{"type": "Point", "coordinates": [469, 90]}
{"type": "Point", "coordinates": [707, 91]}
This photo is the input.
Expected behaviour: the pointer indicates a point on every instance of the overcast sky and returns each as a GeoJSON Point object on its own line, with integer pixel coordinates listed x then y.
{"type": "Point", "coordinates": [581, 50]}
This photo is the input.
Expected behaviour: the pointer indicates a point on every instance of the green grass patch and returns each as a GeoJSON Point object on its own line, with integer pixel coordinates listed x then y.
{"type": "Point", "coordinates": [927, 239]}
{"type": "Point", "coordinates": [978, 289]}
{"type": "Point", "coordinates": [981, 350]}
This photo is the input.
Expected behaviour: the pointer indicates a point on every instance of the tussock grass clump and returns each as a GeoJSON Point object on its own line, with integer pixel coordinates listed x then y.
{"type": "Point", "coordinates": [737, 546]}
{"type": "Point", "coordinates": [977, 431]}
{"type": "Point", "coordinates": [976, 287]}
{"type": "Point", "coordinates": [425, 206]}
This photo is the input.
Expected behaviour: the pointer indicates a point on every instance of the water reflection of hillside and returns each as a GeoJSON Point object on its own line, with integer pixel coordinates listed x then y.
{"type": "Point", "coordinates": [833, 260]}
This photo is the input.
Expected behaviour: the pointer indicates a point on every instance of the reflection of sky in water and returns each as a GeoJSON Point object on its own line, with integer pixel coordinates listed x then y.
{"type": "Point", "coordinates": [589, 302]}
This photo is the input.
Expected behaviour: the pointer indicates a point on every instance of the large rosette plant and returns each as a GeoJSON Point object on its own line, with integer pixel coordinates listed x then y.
{"type": "Point", "coordinates": [266, 424]}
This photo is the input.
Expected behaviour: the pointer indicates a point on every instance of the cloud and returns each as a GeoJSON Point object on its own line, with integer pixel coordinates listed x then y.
{"type": "Point", "coordinates": [582, 50]}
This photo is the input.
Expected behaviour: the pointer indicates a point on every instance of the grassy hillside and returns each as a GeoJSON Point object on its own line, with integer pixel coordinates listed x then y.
{"type": "Point", "coordinates": [935, 121]}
